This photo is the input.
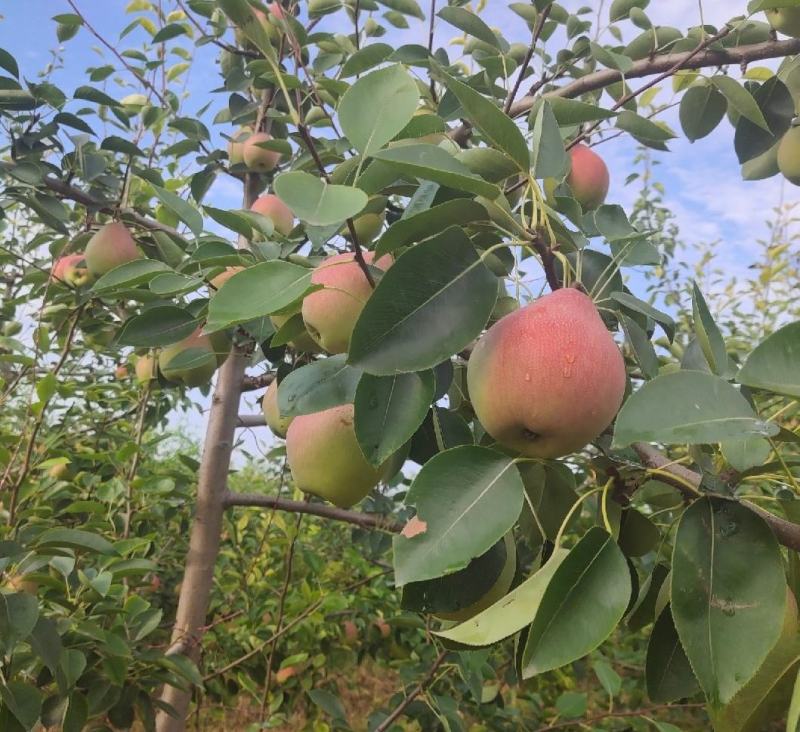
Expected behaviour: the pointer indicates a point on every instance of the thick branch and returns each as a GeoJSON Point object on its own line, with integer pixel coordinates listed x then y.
{"type": "Point", "coordinates": [656, 65]}
{"type": "Point", "coordinates": [786, 532]}
{"type": "Point", "coordinates": [65, 190]}
{"type": "Point", "coordinates": [254, 383]}
{"type": "Point", "coordinates": [251, 420]}
{"type": "Point", "coordinates": [362, 520]}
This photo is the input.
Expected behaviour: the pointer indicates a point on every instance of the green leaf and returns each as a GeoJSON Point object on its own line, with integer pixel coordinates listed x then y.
{"type": "Point", "coordinates": [19, 613]}
{"type": "Point", "coordinates": [610, 58]}
{"type": "Point", "coordinates": [549, 155]}
{"type": "Point", "coordinates": [430, 162]}
{"type": "Point", "coordinates": [365, 58]}
{"type": "Point", "coordinates": [406, 7]}
{"type": "Point", "coordinates": [620, 9]}
{"type": "Point", "coordinates": [130, 274]}
{"type": "Point", "coordinates": [329, 703]}
{"type": "Point", "coordinates": [708, 334]}
{"type": "Point", "coordinates": [172, 283]}
{"type": "Point", "coordinates": [169, 31]}
{"type": "Point", "coordinates": [449, 294]}
{"type": "Point", "coordinates": [740, 99]}
{"type": "Point", "coordinates": [412, 229]}
{"type": "Point", "coordinates": [746, 454]}
{"type": "Point", "coordinates": [389, 410]}
{"type": "Point", "coordinates": [90, 94]}
{"type": "Point", "coordinates": [466, 499]}
{"type": "Point", "coordinates": [470, 23]}
{"type": "Point", "coordinates": [702, 109]}
{"type": "Point", "coordinates": [639, 306]}
{"type": "Point", "coordinates": [687, 407]}
{"type": "Point", "coordinates": [158, 326]}
{"type": "Point", "coordinates": [75, 539]}
{"type": "Point", "coordinates": [642, 129]}
{"type": "Point", "coordinates": [377, 107]}
{"type": "Point", "coordinates": [643, 350]}
{"type": "Point", "coordinates": [495, 124]}
{"type": "Point", "coordinates": [668, 674]}
{"type": "Point", "coordinates": [774, 364]}
{"type": "Point", "coordinates": [511, 614]}
{"type": "Point", "coordinates": [582, 604]}
{"type": "Point", "coordinates": [317, 202]}
{"type": "Point", "coordinates": [320, 385]}
{"type": "Point", "coordinates": [24, 701]}
{"type": "Point", "coordinates": [569, 112]}
{"type": "Point", "coordinates": [727, 582]}
{"type": "Point", "coordinates": [572, 704]}
{"type": "Point", "coordinates": [9, 63]}
{"type": "Point", "coordinates": [608, 678]}
{"type": "Point", "coordinates": [793, 716]}
{"type": "Point", "coordinates": [183, 210]}
{"type": "Point", "coordinates": [255, 292]}
{"type": "Point", "coordinates": [46, 642]}
{"type": "Point", "coordinates": [121, 145]}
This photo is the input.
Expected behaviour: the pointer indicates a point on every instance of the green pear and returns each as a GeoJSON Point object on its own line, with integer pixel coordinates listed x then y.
{"type": "Point", "coordinates": [789, 155]}
{"type": "Point", "coordinates": [191, 362]}
{"type": "Point", "coordinates": [325, 457]}
{"type": "Point", "coordinates": [277, 422]}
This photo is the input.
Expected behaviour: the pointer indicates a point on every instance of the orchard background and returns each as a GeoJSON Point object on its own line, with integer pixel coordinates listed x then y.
{"type": "Point", "coordinates": [541, 460]}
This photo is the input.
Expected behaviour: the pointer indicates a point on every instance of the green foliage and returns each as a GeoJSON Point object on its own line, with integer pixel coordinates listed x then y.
{"type": "Point", "coordinates": [612, 608]}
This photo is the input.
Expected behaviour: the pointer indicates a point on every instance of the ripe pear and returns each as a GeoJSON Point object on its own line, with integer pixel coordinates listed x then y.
{"type": "Point", "coordinates": [257, 158]}
{"type": "Point", "coordinates": [236, 146]}
{"type": "Point", "coordinates": [71, 269]}
{"type": "Point", "coordinates": [269, 405]}
{"type": "Point", "coordinates": [110, 247]}
{"type": "Point", "coordinates": [588, 177]}
{"type": "Point", "coordinates": [785, 20]}
{"type": "Point", "coordinates": [121, 372]}
{"type": "Point", "coordinates": [304, 342]}
{"type": "Point", "coordinates": [325, 458]}
{"type": "Point", "coordinates": [548, 378]}
{"type": "Point", "coordinates": [272, 207]}
{"type": "Point", "coordinates": [789, 155]}
{"type": "Point", "coordinates": [145, 369]}
{"type": "Point", "coordinates": [191, 362]}
{"type": "Point", "coordinates": [330, 314]}
{"type": "Point", "coordinates": [496, 592]}
{"type": "Point", "coordinates": [223, 277]}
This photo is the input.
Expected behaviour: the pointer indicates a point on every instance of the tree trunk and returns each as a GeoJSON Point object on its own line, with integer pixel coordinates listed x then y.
{"type": "Point", "coordinates": [212, 487]}
{"type": "Point", "coordinates": [205, 537]}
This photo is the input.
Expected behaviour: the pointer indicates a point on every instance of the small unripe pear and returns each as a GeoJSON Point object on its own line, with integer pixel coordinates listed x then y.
{"type": "Point", "coordinates": [272, 207]}
{"type": "Point", "coordinates": [785, 20]}
{"type": "Point", "coordinates": [304, 342]}
{"type": "Point", "coordinates": [330, 314]}
{"type": "Point", "coordinates": [121, 372]}
{"type": "Point", "coordinates": [549, 378]}
{"type": "Point", "coordinates": [145, 369]}
{"type": "Point", "coordinates": [71, 269]}
{"type": "Point", "coordinates": [274, 419]}
{"type": "Point", "coordinates": [588, 178]}
{"type": "Point", "coordinates": [223, 277]}
{"type": "Point", "coordinates": [236, 146]}
{"type": "Point", "coordinates": [191, 362]}
{"type": "Point", "coordinates": [286, 673]}
{"type": "Point", "coordinates": [110, 247]}
{"type": "Point", "coordinates": [257, 158]}
{"type": "Point", "coordinates": [325, 458]}
{"type": "Point", "coordinates": [789, 155]}
{"type": "Point", "coordinates": [367, 226]}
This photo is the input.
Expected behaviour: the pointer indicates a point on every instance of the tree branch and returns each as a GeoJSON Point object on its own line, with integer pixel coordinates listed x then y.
{"type": "Point", "coordinates": [537, 32]}
{"type": "Point", "coordinates": [418, 689]}
{"type": "Point", "coordinates": [251, 420]}
{"type": "Point", "coordinates": [323, 510]}
{"type": "Point", "coordinates": [786, 532]}
{"type": "Point", "coordinates": [650, 66]}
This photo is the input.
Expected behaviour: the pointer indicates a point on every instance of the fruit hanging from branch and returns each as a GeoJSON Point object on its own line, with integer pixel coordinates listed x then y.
{"type": "Point", "coordinates": [588, 177]}
{"type": "Point", "coordinates": [547, 379]}
{"type": "Point", "coordinates": [110, 247]}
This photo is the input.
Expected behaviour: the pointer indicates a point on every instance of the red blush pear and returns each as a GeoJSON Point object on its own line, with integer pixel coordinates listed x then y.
{"type": "Point", "coordinates": [277, 211]}
{"type": "Point", "coordinates": [547, 379]}
{"type": "Point", "coordinates": [257, 158]}
{"type": "Point", "coordinates": [330, 314]}
{"type": "Point", "coordinates": [589, 178]}
{"type": "Point", "coordinates": [110, 247]}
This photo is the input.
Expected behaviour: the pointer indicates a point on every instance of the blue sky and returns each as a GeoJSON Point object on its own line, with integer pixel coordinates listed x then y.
{"type": "Point", "coordinates": [704, 186]}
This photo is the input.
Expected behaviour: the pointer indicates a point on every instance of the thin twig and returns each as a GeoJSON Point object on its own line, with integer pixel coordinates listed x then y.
{"type": "Point", "coordinates": [537, 32]}
{"type": "Point", "coordinates": [418, 689]}
{"type": "Point", "coordinates": [323, 510]}
{"type": "Point", "coordinates": [572, 723]}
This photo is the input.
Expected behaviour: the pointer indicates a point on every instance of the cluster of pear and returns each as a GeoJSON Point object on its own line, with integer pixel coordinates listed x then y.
{"type": "Point", "coordinates": [321, 448]}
